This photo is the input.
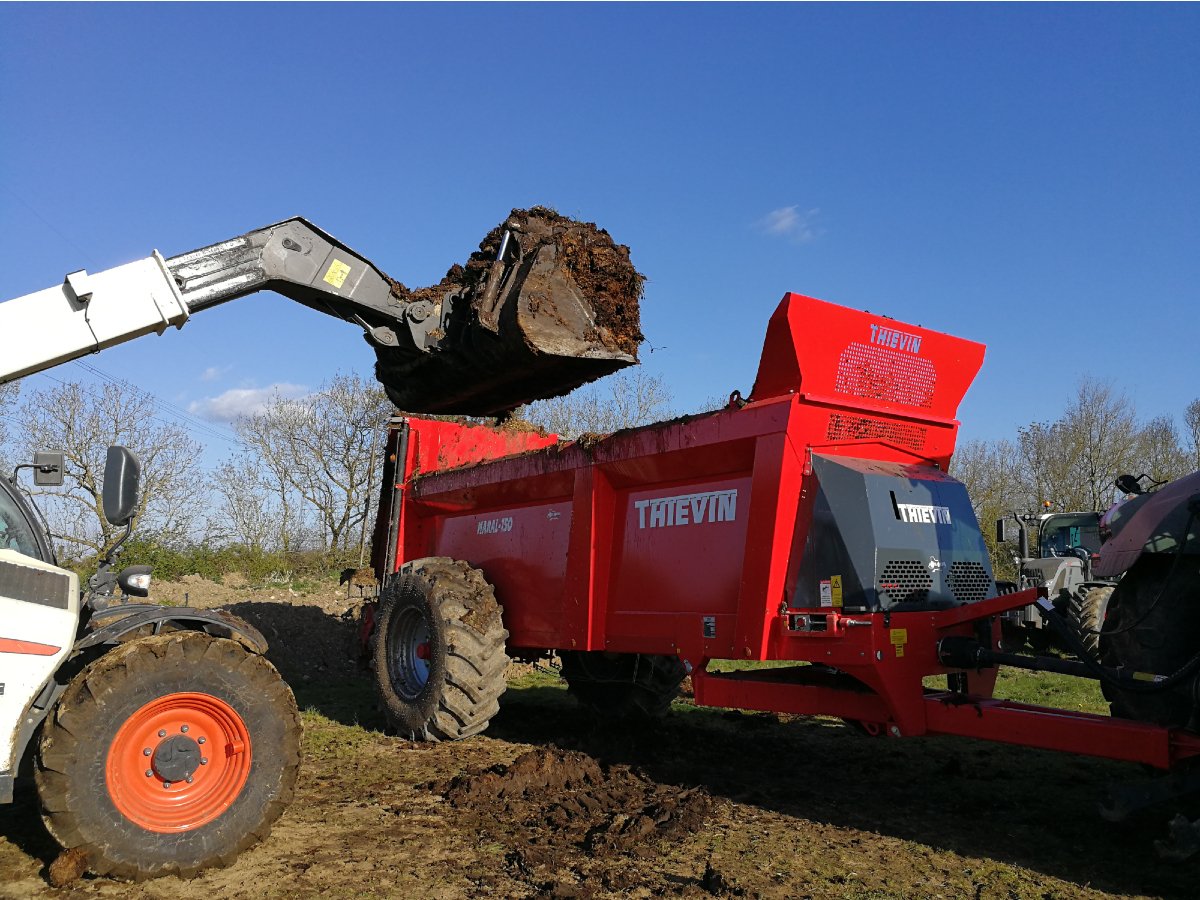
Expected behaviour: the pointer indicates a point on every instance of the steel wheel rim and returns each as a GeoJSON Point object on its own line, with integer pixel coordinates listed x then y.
{"type": "Point", "coordinates": [408, 652]}
{"type": "Point", "coordinates": [198, 739]}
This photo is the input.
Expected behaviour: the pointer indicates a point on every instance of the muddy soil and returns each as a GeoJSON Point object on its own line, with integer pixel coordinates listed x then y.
{"type": "Point", "coordinates": [553, 804]}
{"type": "Point", "coordinates": [546, 303]}
{"type": "Point", "coordinates": [586, 254]}
{"type": "Point", "coordinates": [550, 802]}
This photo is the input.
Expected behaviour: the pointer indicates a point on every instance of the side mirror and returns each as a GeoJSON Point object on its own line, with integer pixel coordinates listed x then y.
{"type": "Point", "coordinates": [1127, 484]}
{"type": "Point", "coordinates": [1006, 530]}
{"type": "Point", "coordinates": [48, 469]}
{"type": "Point", "coordinates": [122, 477]}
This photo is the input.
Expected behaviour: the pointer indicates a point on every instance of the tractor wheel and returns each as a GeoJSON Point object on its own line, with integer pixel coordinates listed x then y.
{"type": "Point", "coordinates": [623, 685]}
{"type": "Point", "coordinates": [1012, 637]}
{"type": "Point", "coordinates": [439, 655]}
{"type": "Point", "coordinates": [168, 755]}
{"type": "Point", "coordinates": [1087, 610]}
{"type": "Point", "coordinates": [1158, 598]}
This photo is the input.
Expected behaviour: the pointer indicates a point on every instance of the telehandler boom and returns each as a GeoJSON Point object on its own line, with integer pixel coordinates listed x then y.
{"type": "Point", "coordinates": [516, 326]}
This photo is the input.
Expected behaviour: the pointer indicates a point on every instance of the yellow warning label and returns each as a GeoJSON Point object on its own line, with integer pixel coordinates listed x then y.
{"type": "Point", "coordinates": [835, 589]}
{"type": "Point", "coordinates": [899, 637]}
{"type": "Point", "coordinates": [337, 273]}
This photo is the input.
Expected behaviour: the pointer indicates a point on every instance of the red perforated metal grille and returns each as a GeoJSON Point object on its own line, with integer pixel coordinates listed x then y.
{"type": "Point", "coordinates": [857, 428]}
{"type": "Point", "coordinates": [880, 373]}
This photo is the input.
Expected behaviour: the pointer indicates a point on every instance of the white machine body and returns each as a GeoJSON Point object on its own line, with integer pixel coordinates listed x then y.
{"type": "Point", "coordinates": [39, 613]}
{"type": "Point", "coordinates": [86, 314]}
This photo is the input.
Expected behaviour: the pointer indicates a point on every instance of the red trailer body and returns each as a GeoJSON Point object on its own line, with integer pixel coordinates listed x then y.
{"type": "Point", "coordinates": [812, 522]}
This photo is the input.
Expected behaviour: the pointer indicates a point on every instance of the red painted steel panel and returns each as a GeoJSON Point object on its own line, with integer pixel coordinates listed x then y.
{"type": "Point", "coordinates": [523, 551]}
{"type": "Point", "coordinates": [681, 547]}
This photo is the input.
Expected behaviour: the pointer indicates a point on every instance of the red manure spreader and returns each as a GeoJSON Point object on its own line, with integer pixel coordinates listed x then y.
{"type": "Point", "coordinates": [811, 523]}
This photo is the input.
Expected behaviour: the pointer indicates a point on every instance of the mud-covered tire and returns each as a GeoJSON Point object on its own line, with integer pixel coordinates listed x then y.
{"type": "Point", "coordinates": [623, 685]}
{"type": "Point", "coordinates": [438, 654]}
{"type": "Point", "coordinates": [1166, 636]}
{"type": "Point", "coordinates": [91, 761]}
{"type": "Point", "coordinates": [1087, 610]}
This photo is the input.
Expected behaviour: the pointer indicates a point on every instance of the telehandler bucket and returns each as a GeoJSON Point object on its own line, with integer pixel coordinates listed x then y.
{"type": "Point", "coordinates": [545, 305]}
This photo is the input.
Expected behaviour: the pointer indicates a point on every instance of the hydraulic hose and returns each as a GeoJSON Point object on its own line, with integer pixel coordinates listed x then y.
{"type": "Point", "coordinates": [1146, 684]}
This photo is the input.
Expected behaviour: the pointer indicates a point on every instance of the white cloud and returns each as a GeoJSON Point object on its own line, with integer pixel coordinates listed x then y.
{"type": "Point", "coordinates": [212, 373]}
{"type": "Point", "coordinates": [791, 223]}
{"type": "Point", "coordinates": [243, 401]}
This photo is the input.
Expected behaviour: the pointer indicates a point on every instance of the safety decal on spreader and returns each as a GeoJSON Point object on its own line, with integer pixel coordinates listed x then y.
{"type": "Point", "coordinates": [831, 591]}
{"type": "Point", "coordinates": [687, 509]}
{"type": "Point", "coordinates": [337, 273]}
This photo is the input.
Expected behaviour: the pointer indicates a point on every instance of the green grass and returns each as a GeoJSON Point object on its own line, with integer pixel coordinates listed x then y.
{"type": "Point", "coordinates": [1036, 688]}
{"type": "Point", "coordinates": [1049, 689]}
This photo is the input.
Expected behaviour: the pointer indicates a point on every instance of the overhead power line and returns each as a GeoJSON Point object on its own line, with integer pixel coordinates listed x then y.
{"type": "Point", "coordinates": [185, 417]}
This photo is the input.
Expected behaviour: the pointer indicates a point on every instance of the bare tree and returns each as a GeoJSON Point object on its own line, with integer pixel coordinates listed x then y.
{"type": "Point", "coordinates": [257, 509]}
{"type": "Point", "coordinates": [1073, 461]}
{"type": "Point", "coordinates": [325, 447]}
{"type": "Point", "coordinates": [1191, 421]}
{"type": "Point", "coordinates": [82, 423]}
{"type": "Point", "coordinates": [1160, 453]}
{"type": "Point", "coordinates": [8, 399]}
{"type": "Point", "coordinates": [625, 400]}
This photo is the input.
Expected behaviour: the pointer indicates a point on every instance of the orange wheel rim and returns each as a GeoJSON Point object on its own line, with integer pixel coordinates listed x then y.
{"type": "Point", "coordinates": [178, 762]}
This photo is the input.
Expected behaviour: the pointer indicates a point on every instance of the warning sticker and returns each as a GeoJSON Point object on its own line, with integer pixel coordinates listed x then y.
{"type": "Point", "coordinates": [337, 273]}
{"type": "Point", "coordinates": [899, 637]}
{"type": "Point", "coordinates": [827, 592]}
{"type": "Point", "coordinates": [835, 590]}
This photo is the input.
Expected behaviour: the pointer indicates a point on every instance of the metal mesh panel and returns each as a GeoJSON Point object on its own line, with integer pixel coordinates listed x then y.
{"type": "Point", "coordinates": [880, 373]}
{"type": "Point", "coordinates": [905, 579]}
{"type": "Point", "coordinates": [848, 428]}
{"type": "Point", "coordinates": [969, 582]}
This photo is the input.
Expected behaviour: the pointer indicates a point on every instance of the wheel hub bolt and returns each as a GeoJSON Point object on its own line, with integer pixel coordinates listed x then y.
{"type": "Point", "coordinates": [166, 784]}
{"type": "Point", "coordinates": [162, 732]}
{"type": "Point", "coordinates": [200, 740]}
{"type": "Point", "coordinates": [189, 779]}
{"type": "Point", "coordinates": [149, 773]}
{"type": "Point", "coordinates": [204, 760]}
{"type": "Point", "coordinates": [146, 752]}
{"type": "Point", "coordinates": [183, 728]}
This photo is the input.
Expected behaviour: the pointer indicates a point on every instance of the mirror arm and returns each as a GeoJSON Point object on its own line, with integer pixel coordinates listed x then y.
{"type": "Point", "coordinates": [112, 553]}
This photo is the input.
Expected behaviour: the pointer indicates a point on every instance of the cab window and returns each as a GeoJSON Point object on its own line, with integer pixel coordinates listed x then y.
{"type": "Point", "coordinates": [1061, 533]}
{"type": "Point", "coordinates": [16, 531]}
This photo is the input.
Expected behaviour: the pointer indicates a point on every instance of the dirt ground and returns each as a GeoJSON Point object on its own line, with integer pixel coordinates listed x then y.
{"type": "Point", "coordinates": [550, 803]}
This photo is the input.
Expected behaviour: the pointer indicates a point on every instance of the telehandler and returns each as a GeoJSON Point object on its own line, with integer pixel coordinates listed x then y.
{"type": "Point", "coordinates": [167, 742]}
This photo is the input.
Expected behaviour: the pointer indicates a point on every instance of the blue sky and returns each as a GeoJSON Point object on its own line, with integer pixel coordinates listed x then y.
{"type": "Point", "coordinates": [1023, 175]}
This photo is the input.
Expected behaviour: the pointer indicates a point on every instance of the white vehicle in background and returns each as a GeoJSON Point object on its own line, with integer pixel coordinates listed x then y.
{"type": "Point", "coordinates": [160, 738]}
{"type": "Point", "coordinates": [1067, 547]}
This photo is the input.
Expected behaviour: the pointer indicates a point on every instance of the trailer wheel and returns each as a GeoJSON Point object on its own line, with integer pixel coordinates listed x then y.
{"type": "Point", "coordinates": [1158, 599]}
{"type": "Point", "coordinates": [439, 655]}
{"type": "Point", "coordinates": [1087, 610]}
{"type": "Point", "coordinates": [623, 685]}
{"type": "Point", "coordinates": [169, 754]}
